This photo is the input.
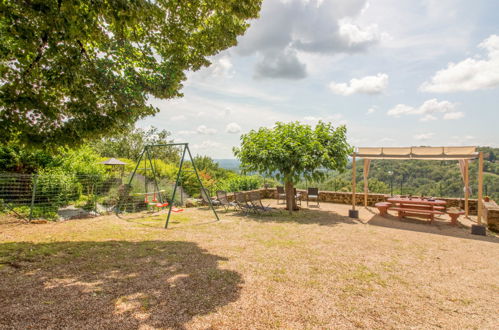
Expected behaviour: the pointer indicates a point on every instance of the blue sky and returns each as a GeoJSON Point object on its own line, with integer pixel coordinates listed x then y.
{"type": "Point", "coordinates": [396, 73]}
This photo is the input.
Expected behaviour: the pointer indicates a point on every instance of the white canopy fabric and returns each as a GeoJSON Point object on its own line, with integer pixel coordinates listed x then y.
{"type": "Point", "coordinates": [428, 153]}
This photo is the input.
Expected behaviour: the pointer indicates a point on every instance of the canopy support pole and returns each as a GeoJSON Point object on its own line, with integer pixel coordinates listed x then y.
{"type": "Point", "coordinates": [353, 181]}
{"type": "Point", "coordinates": [366, 182]}
{"type": "Point", "coordinates": [480, 188]}
{"type": "Point", "coordinates": [466, 187]}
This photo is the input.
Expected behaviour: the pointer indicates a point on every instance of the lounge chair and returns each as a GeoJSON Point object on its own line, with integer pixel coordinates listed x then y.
{"type": "Point", "coordinates": [256, 202]}
{"type": "Point", "coordinates": [224, 200]}
{"type": "Point", "coordinates": [242, 204]}
{"type": "Point", "coordinates": [313, 195]}
{"type": "Point", "coordinates": [281, 194]}
{"type": "Point", "coordinates": [206, 199]}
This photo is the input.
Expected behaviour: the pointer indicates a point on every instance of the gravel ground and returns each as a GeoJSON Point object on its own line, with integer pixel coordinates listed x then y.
{"type": "Point", "coordinates": [312, 269]}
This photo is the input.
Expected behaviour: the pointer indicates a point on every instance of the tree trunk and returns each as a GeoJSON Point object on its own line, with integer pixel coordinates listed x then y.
{"type": "Point", "coordinates": [290, 197]}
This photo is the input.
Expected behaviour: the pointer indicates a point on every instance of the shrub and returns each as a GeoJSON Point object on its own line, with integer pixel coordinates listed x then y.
{"type": "Point", "coordinates": [239, 183]}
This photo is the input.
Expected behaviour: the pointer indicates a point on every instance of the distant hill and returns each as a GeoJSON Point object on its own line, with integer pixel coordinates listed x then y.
{"type": "Point", "coordinates": [229, 164]}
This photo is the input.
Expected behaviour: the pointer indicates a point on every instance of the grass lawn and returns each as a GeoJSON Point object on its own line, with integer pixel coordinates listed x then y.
{"type": "Point", "coordinates": [314, 269]}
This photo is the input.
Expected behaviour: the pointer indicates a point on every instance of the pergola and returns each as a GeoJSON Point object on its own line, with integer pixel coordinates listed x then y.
{"type": "Point", "coordinates": [115, 163]}
{"type": "Point", "coordinates": [461, 154]}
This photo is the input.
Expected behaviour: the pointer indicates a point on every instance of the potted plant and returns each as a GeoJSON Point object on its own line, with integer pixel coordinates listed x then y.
{"type": "Point", "coordinates": [486, 199]}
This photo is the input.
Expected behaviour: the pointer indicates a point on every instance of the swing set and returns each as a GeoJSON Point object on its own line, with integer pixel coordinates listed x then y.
{"type": "Point", "coordinates": [159, 198]}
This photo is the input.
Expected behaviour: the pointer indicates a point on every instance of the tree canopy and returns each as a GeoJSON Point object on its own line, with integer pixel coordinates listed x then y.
{"type": "Point", "coordinates": [291, 151]}
{"type": "Point", "coordinates": [131, 143]}
{"type": "Point", "coordinates": [70, 70]}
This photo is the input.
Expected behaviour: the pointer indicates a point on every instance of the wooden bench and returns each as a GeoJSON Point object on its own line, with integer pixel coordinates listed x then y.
{"type": "Point", "coordinates": [419, 211]}
{"type": "Point", "coordinates": [383, 207]}
{"type": "Point", "coordinates": [421, 207]}
{"type": "Point", "coordinates": [454, 215]}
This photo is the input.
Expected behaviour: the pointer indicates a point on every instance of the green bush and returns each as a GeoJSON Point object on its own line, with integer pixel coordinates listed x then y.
{"type": "Point", "coordinates": [239, 183]}
{"type": "Point", "coordinates": [48, 212]}
{"type": "Point", "coordinates": [57, 187]}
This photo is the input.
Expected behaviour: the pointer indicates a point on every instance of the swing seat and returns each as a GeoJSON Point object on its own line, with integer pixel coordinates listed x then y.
{"type": "Point", "coordinates": [161, 204]}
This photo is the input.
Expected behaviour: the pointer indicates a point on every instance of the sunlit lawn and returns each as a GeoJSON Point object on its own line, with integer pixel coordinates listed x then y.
{"type": "Point", "coordinates": [314, 269]}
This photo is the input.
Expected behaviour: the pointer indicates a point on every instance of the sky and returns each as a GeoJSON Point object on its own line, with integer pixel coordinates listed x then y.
{"type": "Point", "coordinates": [396, 73]}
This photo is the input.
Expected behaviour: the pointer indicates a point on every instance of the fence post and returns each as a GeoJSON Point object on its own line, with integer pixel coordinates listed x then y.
{"type": "Point", "coordinates": [33, 194]}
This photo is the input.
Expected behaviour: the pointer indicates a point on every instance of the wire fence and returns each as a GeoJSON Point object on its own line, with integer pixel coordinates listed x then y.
{"type": "Point", "coordinates": [55, 196]}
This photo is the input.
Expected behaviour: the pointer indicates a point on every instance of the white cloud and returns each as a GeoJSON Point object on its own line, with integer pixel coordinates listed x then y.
{"type": "Point", "coordinates": [386, 140]}
{"type": "Point", "coordinates": [221, 67]}
{"type": "Point", "coordinates": [424, 136]}
{"type": "Point", "coordinates": [286, 28]}
{"type": "Point", "coordinates": [400, 109]}
{"type": "Point", "coordinates": [357, 36]}
{"type": "Point", "coordinates": [427, 110]}
{"type": "Point", "coordinates": [453, 115]}
{"type": "Point", "coordinates": [206, 144]}
{"type": "Point", "coordinates": [233, 128]}
{"type": "Point", "coordinates": [367, 85]}
{"type": "Point", "coordinates": [312, 118]}
{"type": "Point", "coordinates": [371, 111]}
{"type": "Point", "coordinates": [336, 119]}
{"type": "Point", "coordinates": [470, 74]}
{"type": "Point", "coordinates": [186, 132]}
{"type": "Point", "coordinates": [202, 129]}
{"type": "Point", "coordinates": [178, 118]}
{"type": "Point", "coordinates": [428, 117]}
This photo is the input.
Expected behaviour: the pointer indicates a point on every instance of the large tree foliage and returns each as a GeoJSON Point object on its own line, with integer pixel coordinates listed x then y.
{"type": "Point", "coordinates": [75, 69]}
{"type": "Point", "coordinates": [291, 151]}
{"type": "Point", "coordinates": [132, 141]}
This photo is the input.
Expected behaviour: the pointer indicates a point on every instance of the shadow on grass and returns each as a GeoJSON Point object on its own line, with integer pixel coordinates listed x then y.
{"type": "Point", "coordinates": [114, 284]}
{"type": "Point", "coordinates": [303, 216]}
{"type": "Point", "coordinates": [159, 220]}
{"type": "Point", "coordinates": [438, 227]}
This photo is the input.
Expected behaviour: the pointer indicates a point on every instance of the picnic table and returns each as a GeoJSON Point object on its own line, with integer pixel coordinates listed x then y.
{"type": "Point", "coordinates": [421, 207]}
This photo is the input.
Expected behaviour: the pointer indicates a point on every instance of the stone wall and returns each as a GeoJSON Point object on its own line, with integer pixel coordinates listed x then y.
{"type": "Point", "coordinates": [491, 209]}
{"type": "Point", "coordinates": [346, 198]}
{"type": "Point", "coordinates": [491, 215]}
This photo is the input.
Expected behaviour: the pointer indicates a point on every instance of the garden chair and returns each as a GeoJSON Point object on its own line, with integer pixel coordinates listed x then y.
{"type": "Point", "coordinates": [313, 194]}
{"type": "Point", "coordinates": [205, 197]}
{"type": "Point", "coordinates": [224, 200]}
{"type": "Point", "coordinates": [242, 203]}
{"type": "Point", "coordinates": [256, 202]}
{"type": "Point", "coordinates": [298, 196]}
{"type": "Point", "coordinates": [281, 194]}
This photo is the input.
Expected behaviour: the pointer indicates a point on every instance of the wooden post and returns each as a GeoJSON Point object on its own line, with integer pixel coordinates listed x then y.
{"type": "Point", "coordinates": [466, 188]}
{"type": "Point", "coordinates": [33, 194]}
{"type": "Point", "coordinates": [366, 182]}
{"type": "Point", "coordinates": [353, 182]}
{"type": "Point", "coordinates": [480, 188]}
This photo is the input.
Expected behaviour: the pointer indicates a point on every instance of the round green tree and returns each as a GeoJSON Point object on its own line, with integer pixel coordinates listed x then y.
{"type": "Point", "coordinates": [71, 70]}
{"type": "Point", "coordinates": [293, 151]}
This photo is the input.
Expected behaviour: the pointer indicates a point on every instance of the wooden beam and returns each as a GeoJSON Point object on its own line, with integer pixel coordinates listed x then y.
{"type": "Point", "coordinates": [466, 187]}
{"type": "Point", "coordinates": [366, 181]}
{"type": "Point", "coordinates": [480, 188]}
{"type": "Point", "coordinates": [353, 181]}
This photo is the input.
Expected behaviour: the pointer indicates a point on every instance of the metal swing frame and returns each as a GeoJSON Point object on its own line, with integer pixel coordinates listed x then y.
{"type": "Point", "coordinates": [147, 153]}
